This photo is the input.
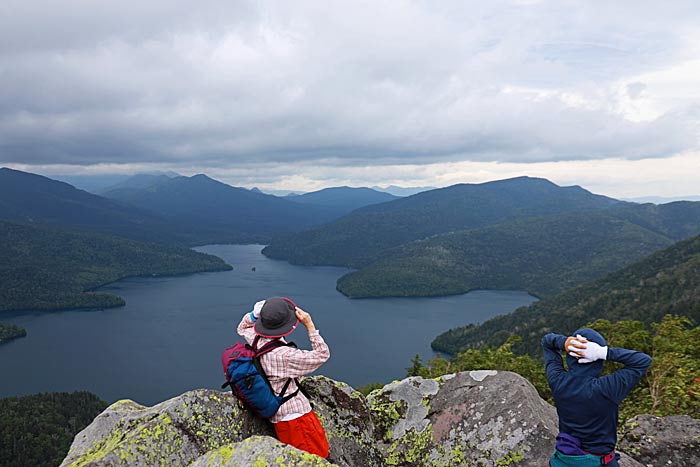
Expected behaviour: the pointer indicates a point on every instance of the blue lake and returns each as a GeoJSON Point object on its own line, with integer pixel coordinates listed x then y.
{"type": "Point", "coordinates": [169, 336]}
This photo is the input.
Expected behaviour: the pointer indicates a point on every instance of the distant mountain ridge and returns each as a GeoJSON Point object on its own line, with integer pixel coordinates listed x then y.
{"type": "Point", "coordinates": [366, 234]}
{"type": "Point", "coordinates": [137, 182]}
{"type": "Point", "coordinates": [402, 191]}
{"type": "Point", "coordinates": [347, 198]}
{"type": "Point", "coordinates": [221, 212]}
{"type": "Point", "coordinates": [27, 197]}
{"type": "Point", "coordinates": [667, 282]}
{"type": "Point", "coordinates": [181, 210]}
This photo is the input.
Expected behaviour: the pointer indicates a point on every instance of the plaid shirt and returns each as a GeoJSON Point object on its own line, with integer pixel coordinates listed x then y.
{"type": "Point", "coordinates": [287, 362]}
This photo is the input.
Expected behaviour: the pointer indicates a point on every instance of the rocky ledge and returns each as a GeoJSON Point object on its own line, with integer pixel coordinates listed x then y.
{"type": "Point", "coordinates": [477, 418]}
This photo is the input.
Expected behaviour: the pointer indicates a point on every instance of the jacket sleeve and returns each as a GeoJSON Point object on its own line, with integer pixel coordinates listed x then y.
{"type": "Point", "coordinates": [302, 362]}
{"type": "Point", "coordinates": [246, 328]}
{"type": "Point", "coordinates": [552, 346]}
{"type": "Point", "coordinates": [616, 386]}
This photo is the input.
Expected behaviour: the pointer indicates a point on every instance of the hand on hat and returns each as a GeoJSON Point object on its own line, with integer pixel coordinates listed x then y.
{"type": "Point", "coordinates": [305, 319]}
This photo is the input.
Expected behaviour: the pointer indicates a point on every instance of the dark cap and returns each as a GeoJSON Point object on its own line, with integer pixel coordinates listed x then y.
{"type": "Point", "coordinates": [277, 318]}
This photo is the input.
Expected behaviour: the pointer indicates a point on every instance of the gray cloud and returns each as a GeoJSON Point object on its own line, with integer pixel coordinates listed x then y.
{"type": "Point", "coordinates": [218, 84]}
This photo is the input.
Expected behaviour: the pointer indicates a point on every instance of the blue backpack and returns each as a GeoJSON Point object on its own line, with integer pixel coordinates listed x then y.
{"type": "Point", "coordinates": [247, 379]}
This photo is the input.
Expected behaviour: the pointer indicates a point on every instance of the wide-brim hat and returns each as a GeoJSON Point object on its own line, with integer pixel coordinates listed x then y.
{"type": "Point", "coordinates": [277, 318]}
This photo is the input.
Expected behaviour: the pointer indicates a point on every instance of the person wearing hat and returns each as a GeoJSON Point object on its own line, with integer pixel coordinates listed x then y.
{"type": "Point", "coordinates": [587, 403]}
{"type": "Point", "coordinates": [295, 422]}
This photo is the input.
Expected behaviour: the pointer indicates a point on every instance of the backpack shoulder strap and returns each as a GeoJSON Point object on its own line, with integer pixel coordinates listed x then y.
{"type": "Point", "coordinates": [273, 344]}
{"type": "Point", "coordinates": [256, 361]}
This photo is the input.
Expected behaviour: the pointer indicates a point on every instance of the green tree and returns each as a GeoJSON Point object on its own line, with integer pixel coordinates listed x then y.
{"type": "Point", "coordinates": [486, 358]}
{"type": "Point", "coordinates": [671, 386]}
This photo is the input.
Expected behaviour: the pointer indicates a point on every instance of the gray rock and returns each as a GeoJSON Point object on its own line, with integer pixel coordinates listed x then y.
{"type": "Point", "coordinates": [483, 418]}
{"type": "Point", "coordinates": [345, 415]}
{"type": "Point", "coordinates": [260, 451]}
{"type": "Point", "coordinates": [173, 433]}
{"type": "Point", "coordinates": [663, 441]}
{"type": "Point", "coordinates": [477, 418]}
{"type": "Point", "coordinates": [627, 461]}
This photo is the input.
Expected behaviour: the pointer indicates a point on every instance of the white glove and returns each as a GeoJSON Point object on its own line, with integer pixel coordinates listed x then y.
{"type": "Point", "coordinates": [257, 308]}
{"type": "Point", "coordinates": [593, 352]}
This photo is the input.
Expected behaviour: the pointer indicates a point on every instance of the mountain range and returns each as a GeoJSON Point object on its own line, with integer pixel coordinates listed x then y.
{"type": "Point", "coordinates": [522, 233]}
{"type": "Point", "coordinates": [31, 198]}
{"type": "Point", "coordinates": [173, 209]}
{"type": "Point", "coordinates": [59, 242]}
{"type": "Point", "coordinates": [366, 234]}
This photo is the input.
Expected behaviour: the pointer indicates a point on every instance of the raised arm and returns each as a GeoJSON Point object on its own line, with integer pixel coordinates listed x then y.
{"type": "Point", "coordinates": [246, 328]}
{"type": "Point", "coordinates": [616, 386]}
{"type": "Point", "coordinates": [552, 346]}
{"type": "Point", "coordinates": [303, 362]}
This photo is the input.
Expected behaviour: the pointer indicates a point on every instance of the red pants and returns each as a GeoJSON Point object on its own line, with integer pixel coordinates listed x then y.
{"type": "Point", "coordinates": [305, 433]}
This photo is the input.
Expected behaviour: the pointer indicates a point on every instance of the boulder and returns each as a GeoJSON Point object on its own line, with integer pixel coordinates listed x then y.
{"type": "Point", "coordinates": [345, 415]}
{"type": "Point", "coordinates": [173, 433]}
{"type": "Point", "coordinates": [481, 418]}
{"type": "Point", "coordinates": [260, 451]}
{"type": "Point", "coordinates": [663, 441]}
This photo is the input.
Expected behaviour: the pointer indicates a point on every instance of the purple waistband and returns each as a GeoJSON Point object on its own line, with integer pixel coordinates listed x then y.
{"type": "Point", "coordinates": [567, 444]}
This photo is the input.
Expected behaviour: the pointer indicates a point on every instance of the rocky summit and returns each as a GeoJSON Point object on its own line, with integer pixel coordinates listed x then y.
{"type": "Point", "coordinates": [476, 418]}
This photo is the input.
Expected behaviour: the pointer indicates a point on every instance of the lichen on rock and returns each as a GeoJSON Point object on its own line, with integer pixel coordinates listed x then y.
{"type": "Point", "coordinates": [484, 418]}
{"type": "Point", "coordinates": [259, 451]}
{"type": "Point", "coordinates": [345, 415]}
{"type": "Point", "coordinates": [479, 418]}
{"type": "Point", "coordinates": [173, 433]}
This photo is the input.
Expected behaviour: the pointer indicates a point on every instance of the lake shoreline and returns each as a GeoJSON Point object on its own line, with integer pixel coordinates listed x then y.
{"type": "Point", "coordinates": [173, 329]}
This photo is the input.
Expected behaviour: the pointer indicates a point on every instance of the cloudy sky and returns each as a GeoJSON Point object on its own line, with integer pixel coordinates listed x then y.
{"type": "Point", "coordinates": [307, 94]}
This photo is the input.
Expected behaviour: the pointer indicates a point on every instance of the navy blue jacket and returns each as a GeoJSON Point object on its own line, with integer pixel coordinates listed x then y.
{"type": "Point", "coordinates": [587, 403]}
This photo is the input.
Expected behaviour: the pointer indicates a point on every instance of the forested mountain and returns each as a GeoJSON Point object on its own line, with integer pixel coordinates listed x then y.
{"type": "Point", "coordinates": [541, 255]}
{"type": "Point", "coordinates": [44, 268]}
{"type": "Point", "coordinates": [345, 198]}
{"type": "Point", "coordinates": [136, 182]}
{"type": "Point", "coordinates": [667, 282]}
{"type": "Point", "coordinates": [678, 220]}
{"type": "Point", "coordinates": [26, 197]}
{"type": "Point", "coordinates": [366, 234]}
{"type": "Point", "coordinates": [179, 210]}
{"type": "Point", "coordinates": [218, 212]}
{"type": "Point", "coordinates": [37, 430]}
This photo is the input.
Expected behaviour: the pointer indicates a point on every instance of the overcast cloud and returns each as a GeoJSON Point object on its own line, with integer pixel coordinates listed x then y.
{"type": "Point", "coordinates": [236, 86]}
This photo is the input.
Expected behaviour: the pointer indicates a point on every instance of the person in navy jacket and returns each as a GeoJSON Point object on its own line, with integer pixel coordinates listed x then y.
{"type": "Point", "coordinates": [587, 403]}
